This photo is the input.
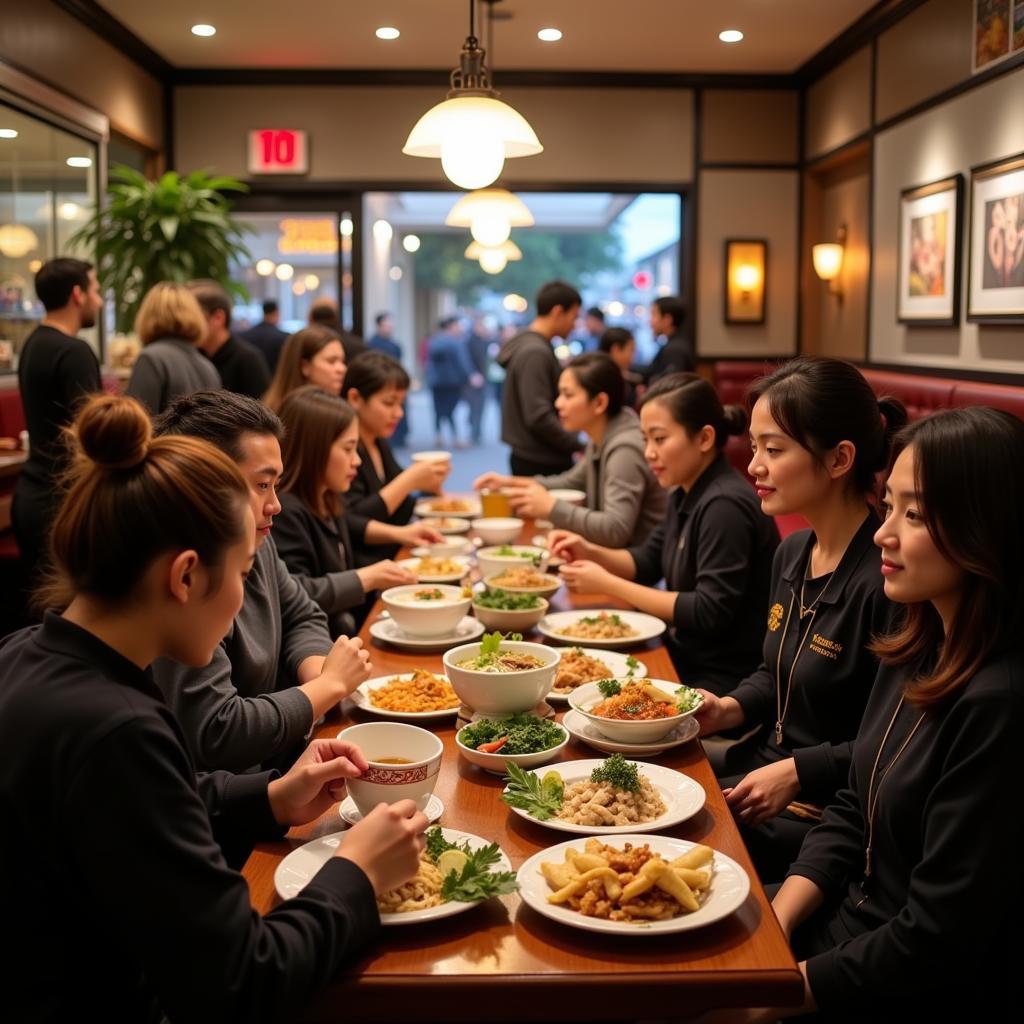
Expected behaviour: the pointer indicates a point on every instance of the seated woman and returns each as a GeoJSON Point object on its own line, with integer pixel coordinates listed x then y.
{"type": "Point", "coordinates": [819, 438]}
{"type": "Point", "coordinates": [115, 837]}
{"type": "Point", "coordinates": [170, 324]}
{"type": "Point", "coordinates": [310, 531]}
{"type": "Point", "coordinates": [624, 503]}
{"type": "Point", "coordinates": [905, 903]}
{"type": "Point", "coordinates": [713, 548]}
{"type": "Point", "coordinates": [313, 356]}
{"type": "Point", "coordinates": [375, 387]}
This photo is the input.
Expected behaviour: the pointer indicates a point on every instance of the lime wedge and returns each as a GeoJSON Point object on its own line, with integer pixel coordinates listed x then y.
{"type": "Point", "coordinates": [452, 861]}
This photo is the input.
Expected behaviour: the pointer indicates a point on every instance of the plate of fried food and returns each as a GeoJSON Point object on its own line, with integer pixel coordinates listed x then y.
{"type": "Point", "coordinates": [411, 695]}
{"type": "Point", "coordinates": [602, 797]}
{"type": "Point", "coordinates": [457, 871]}
{"type": "Point", "coordinates": [582, 665]}
{"type": "Point", "coordinates": [633, 885]}
{"type": "Point", "coordinates": [446, 524]}
{"type": "Point", "coordinates": [601, 627]}
{"type": "Point", "coordinates": [449, 505]}
{"type": "Point", "coordinates": [432, 569]}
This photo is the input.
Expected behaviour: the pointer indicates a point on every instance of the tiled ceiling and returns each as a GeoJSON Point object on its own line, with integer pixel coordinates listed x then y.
{"type": "Point", "coordinates": [598, 35]}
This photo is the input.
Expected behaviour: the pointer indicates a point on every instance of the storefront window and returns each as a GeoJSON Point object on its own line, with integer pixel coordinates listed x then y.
{"type": "Point", "coordinates": [48, 188]}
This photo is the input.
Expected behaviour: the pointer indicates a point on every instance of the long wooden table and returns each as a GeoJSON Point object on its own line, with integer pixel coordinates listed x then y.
{"type": "Point", "coordinates": [503, 961]}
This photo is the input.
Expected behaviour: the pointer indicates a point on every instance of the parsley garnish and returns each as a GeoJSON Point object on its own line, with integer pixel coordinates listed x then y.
{"type": "Point", "coordinates": [540, 798]}
{"type": "Point", "coordinates": [608, 687]}
{"type": "Point", "coordinates": [619, 773]}
{"type": "Point", "coordinates": [476, 881]}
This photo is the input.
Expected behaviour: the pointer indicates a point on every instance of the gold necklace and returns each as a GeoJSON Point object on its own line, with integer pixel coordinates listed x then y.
{"type": "Point", "coordinates": [782, 708]}
{"type": "Point", "coordinates": [873, 790]}
{"type": "Point", "coordinates": [806, 610]}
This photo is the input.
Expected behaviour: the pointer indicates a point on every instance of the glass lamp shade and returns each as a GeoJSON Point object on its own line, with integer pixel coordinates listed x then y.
{"type": "Point", "coordinates": [469, 117]}
{"type": "Point", "coordinates": [509, 249]}
{"type": "Point", "coordinates": [493, 261]}
{"type": "Point", "coordinates": [747, 277]}
{"type": "Point", "coordinates": [472, 161]}
{"type": "Point", "coordinates": [490, 229]}
{"type": "Point", "coordinates": [470, 207]}
{"type": "Point", "coordinates": [16, 240]}
{"type": "Point", "coordinates": [828, 260]}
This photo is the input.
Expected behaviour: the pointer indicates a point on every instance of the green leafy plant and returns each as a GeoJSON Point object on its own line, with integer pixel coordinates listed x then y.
{"type": "Point", "coordinates": [540, 798]}
{"type": "Point", "coordinates": [176, 228]}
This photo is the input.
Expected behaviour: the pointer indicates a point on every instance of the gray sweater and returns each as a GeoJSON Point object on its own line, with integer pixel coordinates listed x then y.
{"type": "Point", "coordinates": [624, 502]}
{"type": "Point", "coordinates": [167, 368]}
{"type": "Point", "coordinates": [244, 707]}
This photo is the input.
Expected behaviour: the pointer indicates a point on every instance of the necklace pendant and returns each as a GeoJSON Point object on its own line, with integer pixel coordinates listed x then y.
{"type": "Point", "coordinates": [778, 733]}
{"type": "Point", "coordinates": [863, 894]}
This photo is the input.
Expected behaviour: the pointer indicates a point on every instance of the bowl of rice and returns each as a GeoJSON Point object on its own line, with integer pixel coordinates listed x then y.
{"type": "Point", "coordinates": [501, 677]}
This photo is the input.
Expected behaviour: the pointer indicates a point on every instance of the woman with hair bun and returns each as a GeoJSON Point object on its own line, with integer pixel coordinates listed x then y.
{"type": "Point", "coordinates": [624, 502]}
{"type": "Point", "coordinates": [905, 903]}
{"type": "Point", "coordinates": [150, 550]}
{"type": "Point", "coordinates": [713, 548]}
{"type": "Point", "coordinates": [819, 437]}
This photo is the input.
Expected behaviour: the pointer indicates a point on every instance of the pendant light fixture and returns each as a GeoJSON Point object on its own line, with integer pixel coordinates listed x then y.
{"type": "Point", "coordinates": [472, 132]}
{"type": "Point", "coordinates": [493, 258]}
{"type": "Point", "coordinates": [490, 214]}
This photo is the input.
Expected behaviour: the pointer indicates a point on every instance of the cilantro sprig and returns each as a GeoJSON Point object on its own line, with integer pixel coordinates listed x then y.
{"type": "Point", "coordinates": [540, 798]}
{"type": "Point", "coordinates": [476, 881]}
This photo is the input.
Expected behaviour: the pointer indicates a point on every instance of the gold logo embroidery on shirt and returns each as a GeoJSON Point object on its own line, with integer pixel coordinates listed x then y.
{"type": "Point", "coordinates": [774, 617]}
{"type": "Point", "coordinates": [825, 647]}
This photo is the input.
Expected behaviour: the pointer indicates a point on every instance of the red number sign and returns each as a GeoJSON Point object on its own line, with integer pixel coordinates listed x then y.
{"type": "Point", "coordinates": [277, 151]}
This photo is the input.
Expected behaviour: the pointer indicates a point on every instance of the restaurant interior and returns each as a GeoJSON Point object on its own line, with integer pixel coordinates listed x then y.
{"type": "Point", "coordinates": [821, 179]}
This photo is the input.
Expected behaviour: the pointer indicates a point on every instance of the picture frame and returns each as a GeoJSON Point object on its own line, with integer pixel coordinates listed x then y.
{"type": "Point", "coordinates": [992, 30]}
{"type": "Point", "coordinates": [995, 281]}
{"type": "Point", "coordinates": [745, 281]}
{"type": "Point", "coordinates": [929, 247]}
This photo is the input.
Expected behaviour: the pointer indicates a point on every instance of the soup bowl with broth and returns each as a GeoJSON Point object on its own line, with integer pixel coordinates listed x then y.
{"type": "Point", "coordinates": [404, 762]}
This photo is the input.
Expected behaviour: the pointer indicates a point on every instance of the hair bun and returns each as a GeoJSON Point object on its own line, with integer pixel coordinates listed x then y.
{"type": "Point", "coordinates": [114, 431]}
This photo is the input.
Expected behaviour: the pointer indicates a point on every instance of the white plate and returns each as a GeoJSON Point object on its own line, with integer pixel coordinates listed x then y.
{"type": "Point", "coordinates": [468, 630]}
{"type": "Point", "coordinates": [454, 525]}
{"type": "Point", "coordinates": [426, 507]}
{"type": "Point", "coordinates": [296, 871]}
{"type": "Point", "coordinates": [448, 577]}
{"type": "Point", "coordinates": [361, 698]}
{"type": "Point", "coordinates": [583, 730]}
{"type": "Point", "coordinates": [682, 796]}
{"type": "Point", "coordinates": [730, 887]}
{"type": "Point", "coordinates": [348, 810]}
{"type": "Point", "coordinates": [459, 547]}
{"type": "Point", "coordinates": [615, 661]}
{"type": "Point", "coordinates": [647, 626]}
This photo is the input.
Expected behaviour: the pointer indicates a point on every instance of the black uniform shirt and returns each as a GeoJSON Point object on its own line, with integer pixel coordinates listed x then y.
{"type": "Point", "coordinates": [115, 884]}
{"type": "Point", "coordinates": [715, 548]}
{"type": "Point", "coordinates": [363, 501]}
{"type": "Point", "coordinates": [825, 655]}
{"type": "Point", "coordinates": [939, 935]}
{"type": "Point", "coordinates": [242, 367]}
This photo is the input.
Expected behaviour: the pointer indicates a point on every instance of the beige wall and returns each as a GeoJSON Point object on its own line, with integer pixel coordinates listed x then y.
{"type": "Point", "coordinates": [925, 53]}
{"type": "Point", "coordinates": [356, 133]}
{"type": "Point", "coordinates": [41, 39]}
{"type": "Point", "coordinates": [838, 196]}
{"type": "Point", "coordinates": [750, 126]}
{"type": "Point", "coordinates": [747, 204]}
{"type": "Point", "coordinates": [982, 125]}
{"type": "Point", "coordinates": [839, 105]}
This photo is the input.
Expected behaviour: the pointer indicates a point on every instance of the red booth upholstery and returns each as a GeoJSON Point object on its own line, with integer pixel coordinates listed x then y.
{"type": "Point", "coordinates": [12, 416]}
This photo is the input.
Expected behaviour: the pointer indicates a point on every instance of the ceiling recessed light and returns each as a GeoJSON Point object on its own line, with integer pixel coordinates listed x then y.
{"type": "Point", "coordinates": [203, 30]}
{"type": "Point", "coordinates": [730, 35]}
{"type": "Point", "coordinates": [387, 32]}
{"type": "Point", "coordinates": [8, 133]}
{"type": "Point", "coordinates": [79, 161]}
{"type": "Point", "coordinates": [549, 35]}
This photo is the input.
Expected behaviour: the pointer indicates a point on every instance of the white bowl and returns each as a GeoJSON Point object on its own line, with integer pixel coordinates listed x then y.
{"type": "Point", "coordinates": [497, 530]}
{"type": "Point", "coordinates": [573, 497]}
{"type": "Point", "coordinates": [491, 563]}
{"type": "Point", "coordinates": [426, 618]}
{"type": "Point", "coordinates": [502, 693]}
{"type": "Point", "coordinates": [551, 584]}
{"type": "Point", "coordinates": [432, 456]}
{"type": "Point", "coordinates": [498, 762]}
{"type": "Point", "coordinates": [445, 549]}
{"type": "Point", "coordinates": [588, 695]}
{"type": "Point", "coordinates": [508, 621]}
{"type": "Point", "coordinates": [387, 783]}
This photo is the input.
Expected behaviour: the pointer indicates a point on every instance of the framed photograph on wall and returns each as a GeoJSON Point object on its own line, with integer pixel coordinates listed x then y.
{"type": "Point", "coordinates": [746, 271]}
{"type": "Point", "coordinates": [1017, 38]}
{"type": "Point", "coordinates": [929, 253]}
{"type": "Point", "coordinates": [993, 20]}
{"type": "Point", "coordinates": [996, 265]}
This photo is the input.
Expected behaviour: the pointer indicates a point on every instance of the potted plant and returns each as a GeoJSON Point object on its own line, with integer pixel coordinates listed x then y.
{"type": "Point", "coordinates": [176, 228]}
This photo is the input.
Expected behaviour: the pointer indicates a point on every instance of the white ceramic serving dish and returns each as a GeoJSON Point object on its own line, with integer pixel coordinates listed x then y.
{"type": "Point", "coordinates": [502, 693]}
{"type": "Point", "coordinates": [496, 763]}
{"type": "Point", "coordinates": [645, 731]}
{"type": "Point", "coordinates": [426, 618]}
{"type": "Point", "coordinates": [491, 563]}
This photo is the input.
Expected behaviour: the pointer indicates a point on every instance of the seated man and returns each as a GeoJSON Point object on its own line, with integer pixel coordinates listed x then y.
{"type": "Point", "coordinates": [276, 673]}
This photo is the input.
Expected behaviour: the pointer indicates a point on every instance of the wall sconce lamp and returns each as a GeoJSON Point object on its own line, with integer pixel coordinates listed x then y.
{"type": "Point", "coordinates": [746, 266]}
{"type": "Point", "coordinates": [828, 261]}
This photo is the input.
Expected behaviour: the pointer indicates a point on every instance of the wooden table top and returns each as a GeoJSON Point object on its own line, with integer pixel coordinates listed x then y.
{"type": "Point", "coordinates": [533, 967]}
